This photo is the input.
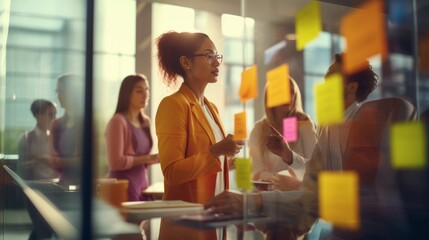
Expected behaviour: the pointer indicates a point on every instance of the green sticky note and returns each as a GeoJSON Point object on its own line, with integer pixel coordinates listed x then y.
{"type": "Point", "coordinates": [408, 145]}
{"type": "Point", "coordinates": [308, 24]}
{"type": "Point", "coordinates": [330, 100]}
{"type": "Point", "coordinates": [243, 170]}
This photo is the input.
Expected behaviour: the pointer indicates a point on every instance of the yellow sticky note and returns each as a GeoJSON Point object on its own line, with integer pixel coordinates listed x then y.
{"type": "Point", "coordinates": [243, 170]}
{"type": "Point", "coordinates": [240, 129]}
{"type": "Point", "coordinates": [338, 198]}
{"type": "Point", "coordinates": [249, 84]}
{"type": "Point", "coordinates": [278, 86]}
{"type": "Point", "coordinates": [330, 100]}
{"type": "Point", "coordinates": [408, 145]}
{"type": "Point", "coordinates": [308, 24]}
{"type": "Point", "coordinates": [365, 33]}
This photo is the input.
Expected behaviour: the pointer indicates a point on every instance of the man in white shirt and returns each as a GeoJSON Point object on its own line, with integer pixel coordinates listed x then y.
{"type": "Point", "coordinates": [299, 208]}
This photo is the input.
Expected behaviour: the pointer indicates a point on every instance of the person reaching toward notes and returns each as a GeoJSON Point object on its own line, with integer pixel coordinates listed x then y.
{"type": "Point", "coordinates": [278, 162]}
{"type": "Point", "coordinates": [297, 210]}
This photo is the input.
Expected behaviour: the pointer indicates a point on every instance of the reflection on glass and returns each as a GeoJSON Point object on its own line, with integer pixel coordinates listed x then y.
{"type": "Point", "coordinates": [34, 157]}
{"type": "Point", "coordinates": [45, 40]}
{"type": "Point", "coordinates": [67, 130]}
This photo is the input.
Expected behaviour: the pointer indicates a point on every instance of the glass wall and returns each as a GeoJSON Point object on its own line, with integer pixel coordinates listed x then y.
{"type": "Point", "coordinates": [43, 57]}
{"type": "Point", "coordinates": [43, 73]}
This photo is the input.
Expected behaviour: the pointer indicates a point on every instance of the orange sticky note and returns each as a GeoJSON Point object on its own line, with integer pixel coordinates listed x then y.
{"type": "Point", "coordinates": [330, 100]}
{"type": "Point", "coordinates": [249, 84]}
{"type": "Point", "coordinates": [365, 33]}
{"type": "Point", "coordinates": [290, 129]}
{"type": "Point", "coordinates": [308, 24]}
{"type": "Point", "coordinates": [243, 171]}
{"type": "Point", "coordinates": [240, 129]}
{"type": "Point", "coordinates": [424, 53]}
{"type": "Point", "coordinates": [408, 145]}
{"type": "Point", "coordinates": [338, 198]}
{"type": "Point", "coordinates": [278, 86]}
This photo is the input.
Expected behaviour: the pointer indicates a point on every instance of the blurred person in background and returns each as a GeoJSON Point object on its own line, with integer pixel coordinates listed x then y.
{"type": "Point", "coordinates": [128, 137]}
{"type": "Point", "coordinates": [66, 137]}
{"type": "Point", "coordinates": [277, 168]}
{"type": "Point", "coordinates": [34, 159]}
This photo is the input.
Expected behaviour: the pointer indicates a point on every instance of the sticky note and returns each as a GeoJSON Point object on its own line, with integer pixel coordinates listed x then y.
{"type": "Point", "coordinates": [290, 129]}
{"type": "Point", "coordinates": [424, 53]}
{"type": "Point", "coordinates": [330, 100]}
{"type": "Point", "coordinates": [278, 86]}
{"type": "Point", "coordinates": [365, 33]}
{"type": "Point", "coordinates": [408, 145]}
{"type": "Point", "coordinates": [249, 84]}
{"type": "Point", "coordinates": [308, 24]}
{"type": "Point", "coordinates": [240, 129]}
{"type": "Point", "coordinates": [243, 170]}
{"type": "Point", "coordinates": [338, 198]}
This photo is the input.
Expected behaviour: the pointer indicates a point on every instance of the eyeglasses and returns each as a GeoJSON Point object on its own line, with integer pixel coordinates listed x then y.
{"type": "Point", "coordinates": [210, 57]}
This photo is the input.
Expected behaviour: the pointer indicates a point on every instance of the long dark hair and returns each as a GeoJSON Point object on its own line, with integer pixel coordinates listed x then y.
{"type": "Point", "coordinates": [123, 104]}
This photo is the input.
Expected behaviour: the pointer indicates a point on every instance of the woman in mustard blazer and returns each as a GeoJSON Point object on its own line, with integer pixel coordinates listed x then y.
{"type": "Point", "coordinates": [193, 149]}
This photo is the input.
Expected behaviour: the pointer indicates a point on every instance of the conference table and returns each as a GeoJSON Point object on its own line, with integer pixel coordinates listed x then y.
{"type": "Point", "coordinates": [59, 204]}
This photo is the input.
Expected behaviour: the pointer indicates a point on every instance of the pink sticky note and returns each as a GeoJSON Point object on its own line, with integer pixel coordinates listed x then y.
{"type": "Point", "coordinates": [290, 129]}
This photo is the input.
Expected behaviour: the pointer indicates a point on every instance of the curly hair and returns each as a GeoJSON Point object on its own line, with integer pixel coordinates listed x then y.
{"type": "Point", "coordinates": [366, 79]}
{"type": "Point", "coordinates": [171, 46]}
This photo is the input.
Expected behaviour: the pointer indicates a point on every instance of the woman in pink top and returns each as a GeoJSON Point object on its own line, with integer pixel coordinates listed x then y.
{"type": "Point", "coordinates": [128, 137]}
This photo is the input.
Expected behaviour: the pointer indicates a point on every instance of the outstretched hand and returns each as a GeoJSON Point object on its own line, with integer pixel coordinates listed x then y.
{"type": "Point", "coordinates": [277, 145]}
{"type": "Point", "coordinates": [286, 183]}
{"type": "Point", "coordinates": [226, 203]}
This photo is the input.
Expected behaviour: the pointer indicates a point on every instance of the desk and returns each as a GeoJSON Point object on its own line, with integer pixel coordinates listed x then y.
{"type": "Point", "coordinates": [155, 190]}
{"type": "Point", "coordinates": [61, 209]}
{"type": "Point", "coordinates": [191, 223]}
{"type": "Point", "coordinates": [151, 229]}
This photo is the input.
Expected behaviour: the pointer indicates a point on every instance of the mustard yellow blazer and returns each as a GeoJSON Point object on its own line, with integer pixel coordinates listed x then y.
{"type": "Point", "coordinates": [184, 139]}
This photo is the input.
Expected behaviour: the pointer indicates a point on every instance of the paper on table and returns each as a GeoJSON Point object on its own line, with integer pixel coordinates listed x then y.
{"type": "Point", "coordinates": [160, 204]}
{"type": "Point", "coordinates": [160, 208]}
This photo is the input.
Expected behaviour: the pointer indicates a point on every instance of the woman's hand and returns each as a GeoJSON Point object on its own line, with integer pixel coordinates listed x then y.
{"type": "Point", "coordinates": [227, 147]}
{"type": "Point", "coordinates": [146, 159]}
{"type": "Point", "coordinates": [286, 183]}
{"type": "Point", "coordinates": [231, 163]}
{"type": "Point", "coordinates": [152, 158]}
{"type": "Point", "coordinates": [277, 145]}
